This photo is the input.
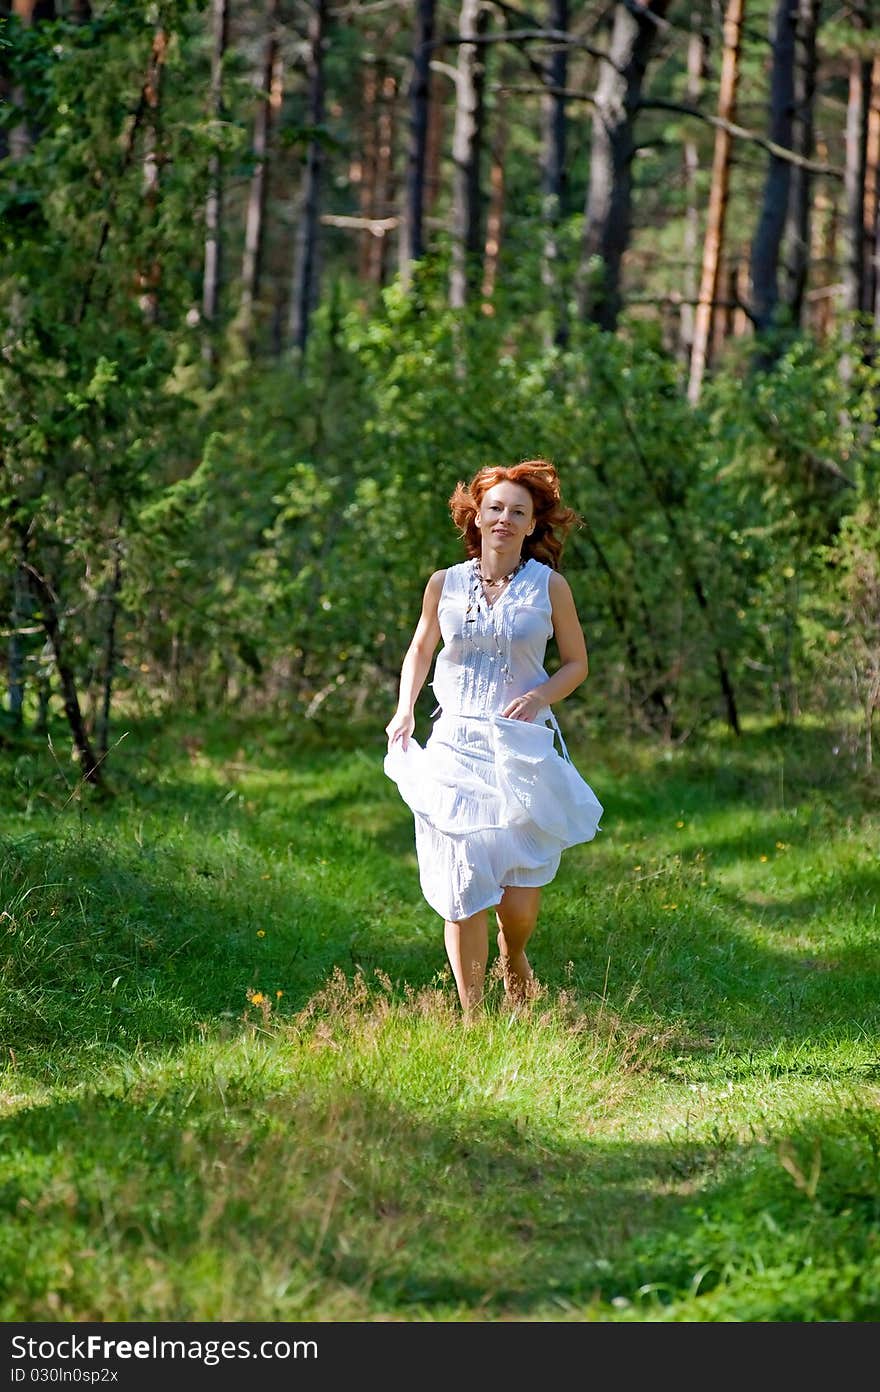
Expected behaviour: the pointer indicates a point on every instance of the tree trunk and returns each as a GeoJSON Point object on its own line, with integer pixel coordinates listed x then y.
{"type": "Point", "coordinates": [383, 185]}
{"type": "Point", "coordinates": [872, 195]}
{"type": "Point", "coordinates": [90, 764]}
{"type": "Point", "coordinates": [150, 272]}
{"type": "Point", "coordinates": [553, 178]}
{"type": "Point", "coordinates": [822, 296]}
{"type": "Point", "coordinates": [858, 104]}
{"type": "Point", "coordinates": [267, 105]}
{"type": "Point", "coordinates": [774, 207]}
{"type": "Point", "coordinates": [714, 237]}
{"type": "Point", "coordinates": [796, 242]}
{"type": "Point", "coordinates": [305, 278]}
{"type": "Point", "coordinates": [609, 196]}
{"type": "Point", "coordinates": [696, 69]}
{"type": "Point", "coordinates": [363, 173]}
{"type": "Point", "coordinates": [495, 212]}
{"type": "Point", "coordinates": [412, 232]}
{"type": "Point", "coordinates": [467, 142]}
{"type": "Point", "coordinates": [212, 275]}
{"type": "Point", "coordinates": [436, 143]}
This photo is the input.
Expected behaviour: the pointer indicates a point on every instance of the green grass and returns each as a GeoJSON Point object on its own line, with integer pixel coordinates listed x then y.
{"type": "Point", "coordinates": [235, 1084]}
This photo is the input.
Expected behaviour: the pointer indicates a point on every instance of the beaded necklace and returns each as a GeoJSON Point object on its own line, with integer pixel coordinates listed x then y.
{"type": "Point", "coordinates": [476, 598]}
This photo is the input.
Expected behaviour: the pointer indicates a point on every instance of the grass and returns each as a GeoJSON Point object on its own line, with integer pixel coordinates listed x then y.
{"type": "Point", "coordinates": [235, 1084]}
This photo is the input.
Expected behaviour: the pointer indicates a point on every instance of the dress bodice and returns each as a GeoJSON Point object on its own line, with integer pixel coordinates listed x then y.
{"type": "Point", "coordinates": [492, 654]}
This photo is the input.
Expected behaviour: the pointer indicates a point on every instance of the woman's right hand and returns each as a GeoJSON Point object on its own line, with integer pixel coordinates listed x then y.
{"type": "Point", "coordinates": [400, 727]}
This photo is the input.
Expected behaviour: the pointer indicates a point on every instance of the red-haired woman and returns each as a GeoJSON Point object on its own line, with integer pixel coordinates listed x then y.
{"type": "Point", "coordinates": [495, 804]}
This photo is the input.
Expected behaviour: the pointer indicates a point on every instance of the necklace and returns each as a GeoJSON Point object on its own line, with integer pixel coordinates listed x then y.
{"type": "Point", "coordinates": [502, 579]}
{"type": "Point", "coordinates": [476, 599]}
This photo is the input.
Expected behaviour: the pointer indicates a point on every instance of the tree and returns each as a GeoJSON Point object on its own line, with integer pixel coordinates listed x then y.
{"type": "Point", "coordinates": [553, 173]}
{"type": "Point", "coordinates": [412, 236]}
{"type": "Point", "coordinates": [305, 278]}
{"type": "Point", "coordinates": [212, 275]}
{"type": "Point", "coordinates": [714, 236]}
{"type": "Point", "coordinates": [634, 32]}
{"type": "Point", "coordinates": [268, 98]}
{"type": "Point", "coordinates": [467, 145]}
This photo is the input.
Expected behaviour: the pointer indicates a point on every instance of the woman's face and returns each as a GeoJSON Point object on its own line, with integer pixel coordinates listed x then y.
{"type": "Point", "coordinates": [506, 515]}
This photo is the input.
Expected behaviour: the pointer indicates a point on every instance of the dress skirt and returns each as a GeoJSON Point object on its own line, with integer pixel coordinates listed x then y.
{"type": "Point", "coordinates": [494, 804]}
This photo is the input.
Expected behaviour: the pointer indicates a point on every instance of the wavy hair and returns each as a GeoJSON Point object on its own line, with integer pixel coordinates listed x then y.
{"type": "Point", "coordinates": [553, 520]}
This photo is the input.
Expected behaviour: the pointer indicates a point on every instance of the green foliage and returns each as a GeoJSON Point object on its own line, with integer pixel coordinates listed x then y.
{"type": "Point", "coordinates": [88, 299]}
{"type": "Point", "coordinates": [320, 509]}
{"type": "Point", "coordinates": [276, 524]}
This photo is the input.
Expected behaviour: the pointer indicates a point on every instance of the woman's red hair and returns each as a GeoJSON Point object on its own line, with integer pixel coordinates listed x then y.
{"type": "Point", "coordinates": [553, 520]}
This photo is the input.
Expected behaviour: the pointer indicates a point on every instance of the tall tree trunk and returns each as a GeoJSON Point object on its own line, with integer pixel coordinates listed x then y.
{"type": "Point", "coordinates": [774, 207]}
{"type": "Point", "coordinates": [696, 69]}
{"type": "Point", "coordinates": [796, 242]}
{"type": "Point", "coordinates": [47, 599]}
{"type": "Point", "coordinates": [267, 105]}
{"type": "Point", "coordinates": [383, 184]}
{"type": "Point", "coordinates": [305, 278]}
{"type": "Point", "coordinates": [495, 211]}
{"type": "Point", "coordinates": [363, 172]}
{"type": "Point", "coordinates": [872, 195]}
{"type": "Point", "coordinates": [553, 177]}
{"type": "Point", "coordinates": [213, 268]}
{"type": "Point", "coordinates": [467, 143]}
{"type": "Point", "coordinates": [434, 182]}
{"type": "Point", "coordinates": [858, 105]}
{"type": "Point", "coordinates": [150, 272]}
{"type": "Point", "coordinates": [609, 196]}
{"type": "Point", "coordinates": [412, 232]}
{"type": "Point", "coordinates": [713, 241]}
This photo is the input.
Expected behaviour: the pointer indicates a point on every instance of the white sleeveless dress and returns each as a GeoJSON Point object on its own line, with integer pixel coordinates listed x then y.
{"type": "Point", "coordinates": [494, 803]}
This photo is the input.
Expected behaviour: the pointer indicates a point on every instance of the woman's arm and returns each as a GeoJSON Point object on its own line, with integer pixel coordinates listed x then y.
{"type": "Point", "coordinates": [572, 646]}
{"type": "Point", "coordinates": [417, 663]}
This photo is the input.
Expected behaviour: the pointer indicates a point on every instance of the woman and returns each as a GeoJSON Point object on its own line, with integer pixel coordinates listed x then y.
{"type": "Point", "coordinates": [494, 803]}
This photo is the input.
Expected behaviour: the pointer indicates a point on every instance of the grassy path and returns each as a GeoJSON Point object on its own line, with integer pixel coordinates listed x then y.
{"type": "Point", "coordinates": [235, 1085]}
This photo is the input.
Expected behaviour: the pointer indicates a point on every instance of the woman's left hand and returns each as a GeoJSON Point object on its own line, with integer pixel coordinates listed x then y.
{"type": "Point", "coordinates": [524, 707]}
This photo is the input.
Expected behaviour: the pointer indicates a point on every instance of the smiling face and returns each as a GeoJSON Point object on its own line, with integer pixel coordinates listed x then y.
{"type": "Point", "coordinates": [506, 516]}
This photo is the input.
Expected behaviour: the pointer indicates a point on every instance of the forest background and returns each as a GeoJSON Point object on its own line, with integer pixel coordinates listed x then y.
{"type": "Point", "coordinates": [277, 276]}
{"type": "Point", "coordinates": [274, 278]}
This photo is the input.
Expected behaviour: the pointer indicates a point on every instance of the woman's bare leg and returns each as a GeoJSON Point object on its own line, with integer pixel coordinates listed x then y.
{"type": "Point", "coordinates": [467, 947]}
{"type": "Point", "coordinates": [516, 916]}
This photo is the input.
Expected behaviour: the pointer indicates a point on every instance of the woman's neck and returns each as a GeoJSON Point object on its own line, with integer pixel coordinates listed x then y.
{"type": "Point", "coordinates": [496, 562]}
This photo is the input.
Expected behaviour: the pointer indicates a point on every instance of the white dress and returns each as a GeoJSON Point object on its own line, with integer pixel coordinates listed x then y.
{"type": "Point", "coordinates": [495, 804]}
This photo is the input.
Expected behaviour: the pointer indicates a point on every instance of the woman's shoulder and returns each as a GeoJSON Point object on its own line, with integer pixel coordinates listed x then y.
{"type": "Point", "coordinates": [541, 572]}
{"type": "Point", "coordinates": [557, 583]}
{"type": "Point", "coordinates": [551, 582]}
{"type": "Point", "coordinates": [435, 582]}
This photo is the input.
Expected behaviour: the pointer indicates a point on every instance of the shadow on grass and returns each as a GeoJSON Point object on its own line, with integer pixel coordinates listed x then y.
{"type": "Point", "coordinates": [235, 1202]}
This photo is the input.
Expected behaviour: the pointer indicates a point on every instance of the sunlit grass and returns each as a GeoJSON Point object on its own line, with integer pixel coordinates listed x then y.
{"type": "Point", "coordinates": [236, 1084]}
